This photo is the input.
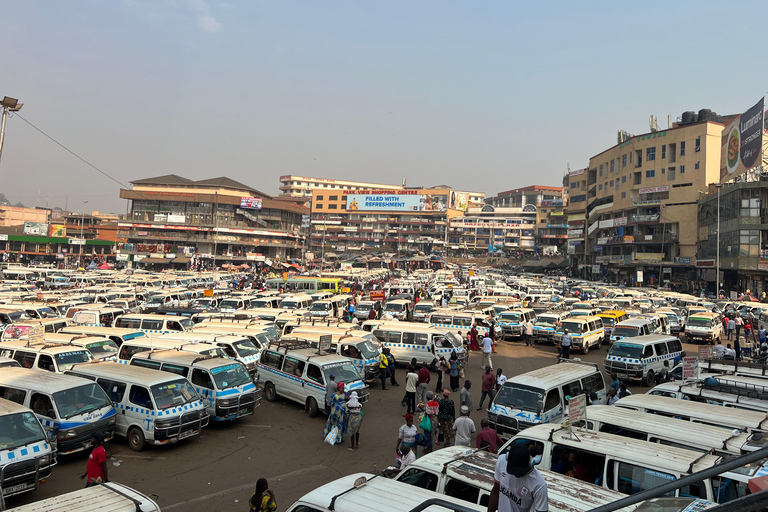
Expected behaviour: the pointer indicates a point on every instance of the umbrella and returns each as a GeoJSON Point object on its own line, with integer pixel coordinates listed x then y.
{"type": "Point", "coordinates": [245, 266]}
{"type": "Point", "coordinates": [105, 266]}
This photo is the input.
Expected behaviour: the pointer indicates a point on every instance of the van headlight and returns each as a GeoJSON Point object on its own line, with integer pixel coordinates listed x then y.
{"type": "Point", "coordinates": [45, 460]}
{"type": "Point", "coordinates": [112, 420]}
{"type": "Point", "coordinates": [163, 423]}
{"type": "Point", "coordinates": [635, 367]}
{"type": "Point", "coordinates": [67, 434]}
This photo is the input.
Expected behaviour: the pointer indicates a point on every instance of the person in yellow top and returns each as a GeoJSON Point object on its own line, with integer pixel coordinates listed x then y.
{"type": "Point", "coordinates": [383, 369]}
{"type": "Point", "coordinates": [263, 500]}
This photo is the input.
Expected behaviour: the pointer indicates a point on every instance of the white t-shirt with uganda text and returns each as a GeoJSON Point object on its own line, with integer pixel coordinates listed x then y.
{"type": "Point", "coordinates": [525, 494]}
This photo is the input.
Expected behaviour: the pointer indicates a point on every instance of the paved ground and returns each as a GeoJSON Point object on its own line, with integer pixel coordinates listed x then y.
{"type": "Point", "coordinates": [217, 470]}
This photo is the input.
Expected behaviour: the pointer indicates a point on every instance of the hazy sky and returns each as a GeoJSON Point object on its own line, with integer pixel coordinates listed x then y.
{"type": "Point", "coordinates": [483, 96]}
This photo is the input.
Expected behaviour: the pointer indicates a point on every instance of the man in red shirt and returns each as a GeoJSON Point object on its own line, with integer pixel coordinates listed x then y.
{"type": "Point", "coordinates": [96, 470]}
{"type": "Point", "coordinates": [488, 385]}
{"type": "Point", "coordinates": [488, 437]}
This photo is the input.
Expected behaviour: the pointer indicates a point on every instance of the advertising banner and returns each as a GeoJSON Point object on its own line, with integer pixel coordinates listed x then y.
{"type": "Point", "coordinates": [58, 231]}
{"type": "Point", "coordinates": [551, 202]}
{"type": "Point", "coordinates": [251, 203]}
{"type": "Point", "coordinates": [742, 142]}
{"type": "Point", "coordinates": [648, 256]}
{"type": "Point", "coordinates": [179, 219]}
{"type": "Point", "coordinates": [621, 221]}
{"type": "Point", "coordinates": [36, 228]}
{"type": "Point", "coordinates": [459, 201]}
{"type": "Point", "coordinates": [396, 202]}
{"type": "Point", "coordinates": [652, 190]}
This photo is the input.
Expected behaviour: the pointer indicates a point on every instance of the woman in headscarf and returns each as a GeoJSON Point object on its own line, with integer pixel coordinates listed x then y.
{"type": "Point", "coordinates": [263, 500]}
{"type": "Point", "coordinates": [406, 436]}
{"type": "Point", "coordinates": [355, 412]}
{"type": "Point", "coordinates": [453, 372]}
{"type": "Point", "coordinates": [338, 417]}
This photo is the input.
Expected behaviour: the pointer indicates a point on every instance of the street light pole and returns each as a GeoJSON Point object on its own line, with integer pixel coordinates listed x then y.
{"type": "Point", "coordinates": [9, 105]}
{"type": "Point", "coordinates": [718, 186]}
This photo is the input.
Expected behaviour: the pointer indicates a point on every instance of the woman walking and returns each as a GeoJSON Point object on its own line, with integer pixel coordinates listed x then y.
{"type": "Point", "coordinates": [263, 500]}
{"type": "Point", "coordinates": [406, 436]}
{"type": "Point", "coordinates": [338, 417]}
{"type": "Point", "coordinates": [446, 415]}
{"type": "Point", "coordinates": [453, 371]}
{"type": "Point", "coordinates": [355, 412]}
{"type": "Point", "coordinates": [473, 344]}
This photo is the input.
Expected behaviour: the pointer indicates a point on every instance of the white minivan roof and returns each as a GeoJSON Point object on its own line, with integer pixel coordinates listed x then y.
{"type": "Point", "coordinates": [554, 375]}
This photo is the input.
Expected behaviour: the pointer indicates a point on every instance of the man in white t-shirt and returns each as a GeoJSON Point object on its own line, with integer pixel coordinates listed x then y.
{"type": "Point", "coordinates": [518, 487]}
{"type": "Point", "coordinates": [719, 350]}
{"type": "Point", "coordinates": [487, 349]}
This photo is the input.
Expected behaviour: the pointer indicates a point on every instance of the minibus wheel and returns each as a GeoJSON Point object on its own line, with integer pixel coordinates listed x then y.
{"type": "Point", "coordinates": [136, 439]}
{"type": "Point", "coordinates": [312, 407]}
{"type": "Point", "coordinates": [269, 392]}
{"type": "Point", "coordinates": [650, 378]}
{"type": "Point", "coordinates": [586, 347]}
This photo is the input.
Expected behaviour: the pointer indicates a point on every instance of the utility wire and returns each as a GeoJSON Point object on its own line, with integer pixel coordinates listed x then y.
{"type": "Point", "coordinates": [65, 148]}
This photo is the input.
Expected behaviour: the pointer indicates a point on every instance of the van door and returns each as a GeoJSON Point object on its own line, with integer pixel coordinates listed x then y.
{"type": "Point", "coordinates": [293, 386]}
{"type": "Point", "coordinates": [204, 386]}
{"type": "Point", "coordinates": [45, 362]}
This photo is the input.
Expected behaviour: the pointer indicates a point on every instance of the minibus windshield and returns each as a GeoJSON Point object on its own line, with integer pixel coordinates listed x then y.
{"type": "Point", "coordinates": [245, 348]}
{"type": "Point", "coordinates": [229, 304]}
{"type": "Point", "coordinates": [608, 321]}
{"type": "Point", "coordinates": [422, 308]}
{"type": "Point", "coordinates": [103, 349]}
{"type": "Point", "coordinates": [155, 300]}
{"type": "Point", "coordinates": [19, 430]}
{"type": "Point", "coordinates": [80, 400]}
{"type": "Point", "coordinates": [545, 321]}
{"type": "Point", "coordinates": [66, 360]}
{"type": "Point", "coordinates": [367, 349]}
{"type": "Point", "coordinates": [573, 327]}
{"type": "Point", "coordinates": [518, 396]}
{"type": "Point", "coordinates": [186, 323]}
{"type": "Point", "coordinates": [344, 372]}
{"type": "Point", "coordinates": [513, 317]}
{"type": "Point", "coordinates": [626, 331]}
{"type": "Point", "coordinates": [230, 376]}
{"type": "Point", "coordinates": [46, 313]}
{"type": "Point", "coordinates": [629, 350]}
{"type": "Point", "coordinates": [699, 322]}
{"type": "Point", "coordinates": [320, 306]}
{"type": "Point", "coordinates": [173, 394]}
{"type": "Point", "coordinates": [394, 307]}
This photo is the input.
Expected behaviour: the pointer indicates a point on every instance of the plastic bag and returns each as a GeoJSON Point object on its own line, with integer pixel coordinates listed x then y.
{"type": "Point", "coordinates": [425, 423]}
{"type": "Point", "coordinates": [461, 373]}
{"type": "Point", "coordinates": [331, 437]}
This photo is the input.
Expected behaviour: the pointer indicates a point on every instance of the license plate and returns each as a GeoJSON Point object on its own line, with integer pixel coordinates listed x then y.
{"type": "Point", "coordinates": [188, 433]}
{"type": "Point", "coordinates": [15, 488]}
{"type": "Point", "coordinates": [245, 411]}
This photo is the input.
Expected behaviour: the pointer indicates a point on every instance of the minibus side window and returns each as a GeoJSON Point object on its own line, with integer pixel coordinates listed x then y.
{"type": "Point", "coordinates": [153, 365]}
{"type": "Point", "coordinates": [202, 379]}
{"type": "Point", "coordinates": [12, 394]}
{"type": "Point", "coordinates": [631, 479]}
{"type": "Point", "coordinates": [420, 478]}
{"type": "Point", "coordinates": [461, 490]}
{"type": "Point", "coordinates": [572, 388]}
{"type": "Point", "coordinates": [648, 352]}
{"type": "Point", "coordinates": [413, 338]}
{"type": "Point", "coordinates": [41, 405]}
{"type": "Point", "coordinates": [152, 325]}
{"type": "Point", "coordinates": [675, 346]}
{"type": "Point", "coordinates": [661, 349]}
{"type": "Point", "coordinates": [172, 325]}
{"type": "Point", "coordinates": [139, 395]}
{"type": "Point", "coordinates": [228, 350]}
{"type": "Point", "coordinates": [25, 359]}
{"type": "Point", "coordinates": [272, 360]}
{"type": "Point", "coordinates": [45, 362]}
{"type": "Point", "coordinates": [552, 400]}
{"type": "Point", "coordinates": [293, 366]}
{"type": "Point", "coordinates": [115, 390]}
{"type": "Point", "coordinates": [128, 323]}
{"type": "Point", "coordinates": [314, 373]}
{"type": "Point", "coordinates": [128, 351]}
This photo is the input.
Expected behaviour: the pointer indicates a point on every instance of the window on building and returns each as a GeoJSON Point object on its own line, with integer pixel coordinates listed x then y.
{"type": "Point", "coordinates": [663, 170]}
{"type": "Point", "coordinates": [650, 154]}
{"type": "Point", "coordinates": [749, 243]}
{"type": "Point", "coordinates": [623, 179]}
{"type": "Point", "coordinates": [319, 198]}
{"type": "Point", "coordinates": [611, 182]}
{"type": "Point", "coordinates": [333, 207]}
{"type": "Point", "coordinates": [698, 145]}
{"type": "Point", "coordinates": [638, 157]}
{"type": "Point", "coordinates": [624, 160]}
{"type": "Point", "coordinates": [682, 169]}
{"type": "Point", "coordinates": [671, 174]}
{"type": "Point", "coordinates": [650, 174]}
{"type": "Point", "coordinates": [750, 203]}
{"type": "Point", "coordinates": [696, 166]}
{"type": "Point", "coordinates": [663, 151]}
{"type": "Point", "coordinates": [682, 148]}
{"type": "Point", "coordinates": [601, 170]}
{"type": "Point", "coordinates": [623, 195]}
{"type": "Point", "coordinates": [638, 178]}
{"type": "Point", "coordinates": [333, 198]}
{"type": "Point", "coordinates": [612, 165]}
{"type": "Point", "coordinates": [318, 206]}
{"type": "Point", "coordinates": [600, 186]}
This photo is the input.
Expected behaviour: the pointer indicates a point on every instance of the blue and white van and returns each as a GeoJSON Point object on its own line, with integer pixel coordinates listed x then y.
{"type": "Point", "coordinates": [225, 386]}
{"type": "Point", "coordinates": [361, 351]}
{"type": "Point", "coordinates": [545, 324]}
{"type": "Point", "coordinates": [511, 321]}
{"type": "Point", "coordinates": [26, 456]}
{"type": "Point", "coordinates": [154, 407]}
{"type": "Point", "coordinates": [461, 322]}
{"type": "Point", "coordinates": [641, 357]}
{"type": "Point", "coordinates": [70, 409]}
{"type": "Point", "coordinates": [293, 370]}
{"type": "Point", "coordinates": [539, 396]}
{"type": "Point", "coordinates": [155, 324]}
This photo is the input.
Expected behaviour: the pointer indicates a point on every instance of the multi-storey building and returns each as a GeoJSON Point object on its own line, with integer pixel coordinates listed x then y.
{"type": "Point", "coordinates": [303, 186]}
{"type": "Point", "coordinates": [494, 229]}
{"type": "Point", "coordinates": [640, 205]}
{"type": "Point", "coordinates": [551, 229]}
{"type": "Point", "coordinates": [18, 215]}
{"type": "Point", "coordinates": [412, 219]}
{"type": "Point", "coordinates": [172, 218]}
{"type": "Point", "coordinates": [575, 197]}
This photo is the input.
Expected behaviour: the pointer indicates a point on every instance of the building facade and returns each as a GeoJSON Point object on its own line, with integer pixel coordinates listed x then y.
{"type": "Point", "coordinates": [493, 229]}
{"type": "Point", "coordinates": [397, 220]}
{"type": "Point", "coordinates": [634, 209]}
{"type": "Point", "coordinates": [219, 220]}
{"type": "Point", "coordinates": [18, 215]}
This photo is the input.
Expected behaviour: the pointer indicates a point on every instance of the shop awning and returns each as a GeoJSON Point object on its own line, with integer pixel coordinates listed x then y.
{"type": "Point", "coordinates": [161, 261]}
{"type": "Point", "coordinates": [180, 259]}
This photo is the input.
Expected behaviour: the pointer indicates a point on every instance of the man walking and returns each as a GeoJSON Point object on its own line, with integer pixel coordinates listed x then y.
{"type": "Point", "coordinates": [517, 486]}
{"type": "Point", "coordinates": [465, 397]}
{"type": "Point", "coordinates": [486, 387]}
{"type": "Point", "coordinates": [528, 333]}
{"type": "Point", "coordinates": [464, 428]}
{"type": "Point", "coordinates": [421, 388]}
{"type": "Point", "coordinates": [383, 369]}
{"type": "Point", "coordinates": [739, 324]}
{"type": "Point", "coordinates": [565, 345]}
{"type": "Point", "coordinates": [487, 350]}
{"type": "Point", "coordinates": [500, 379]}
{"type": "Point", "coordinates": [731, 327]}
{"type": "Point", "coordinates": [96, 469]}
{"type": "Point", "coordinates": [391, 367]}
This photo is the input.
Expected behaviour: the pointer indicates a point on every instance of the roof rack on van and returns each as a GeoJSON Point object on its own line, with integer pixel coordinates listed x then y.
{"type": "Point", "coordinates": [738, 388]}
{"type": "Point", "coordinates": [737, 365]}
{"type": "Point", "coordinates": [290, 344]}
{"type": "Point", "coordinates": [577, 361]}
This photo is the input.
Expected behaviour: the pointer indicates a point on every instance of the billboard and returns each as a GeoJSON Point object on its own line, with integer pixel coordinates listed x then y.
{"type": "Point", "coordinates": [58, 230]}
{"type": "Point", "coordinates": [742, 142]}
{"type": "Point", "coordinates": [251, 203]}
{"type": "Point", "coordinates": [177, 218]}
{"type": "Point", "coordinates": [396, 202]}
{"type": "Point", "coordinates": [36, 228]}
{"type": "Point", "coordinates": [459, 201]}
